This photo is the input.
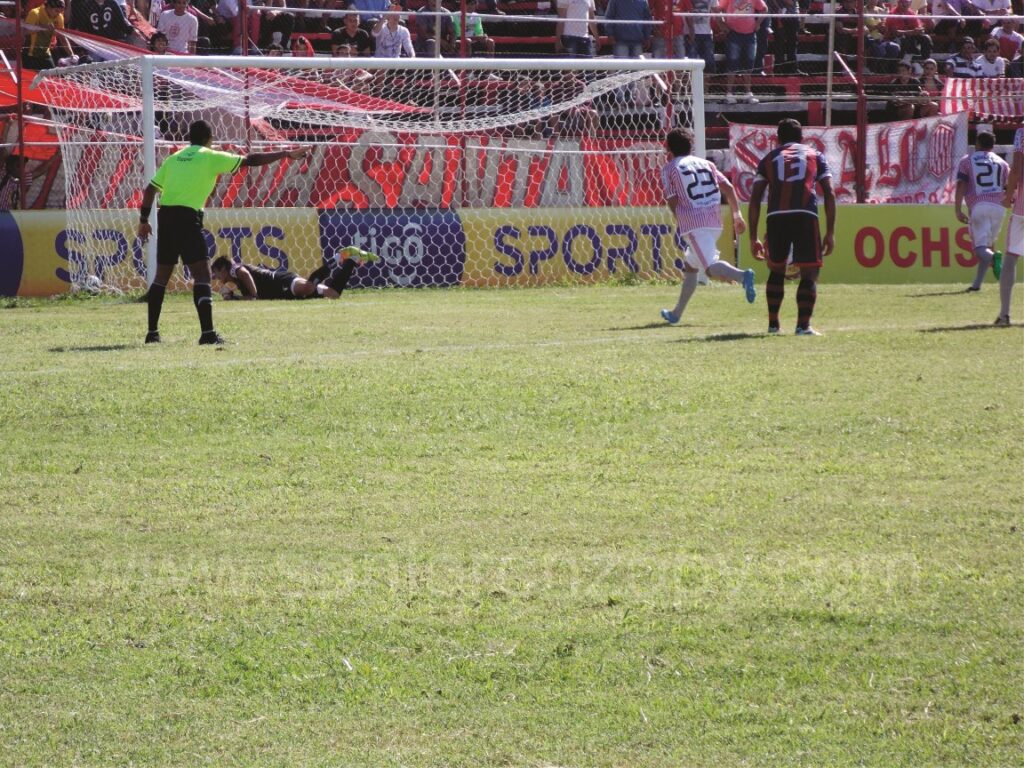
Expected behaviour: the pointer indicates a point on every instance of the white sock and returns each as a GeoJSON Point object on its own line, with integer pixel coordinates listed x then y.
{"type": "Point", "coordinates": [726, 270]}
{"type": "Point", "coordinates": [984, 262]}
{"type": "Point", "coordinates": [1006, 280]}
{"type": "Point", "coordinates": [689, 286]}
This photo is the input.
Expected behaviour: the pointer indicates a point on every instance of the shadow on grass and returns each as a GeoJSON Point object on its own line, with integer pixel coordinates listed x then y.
{"type": "Point", "coordinates": [933, 294]}
{"type": "Point", "coordinates": [972, 327]}
{"type": "Point", "coordinates": [722, 337]}
{"type": "Point", "coordinates": [96, 348]}
{"type": "Point", "coordinates": [647, 327]}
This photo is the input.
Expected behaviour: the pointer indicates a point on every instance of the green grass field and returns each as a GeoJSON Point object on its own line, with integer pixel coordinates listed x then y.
{"type": "Point", "coordinates": [513, 528]}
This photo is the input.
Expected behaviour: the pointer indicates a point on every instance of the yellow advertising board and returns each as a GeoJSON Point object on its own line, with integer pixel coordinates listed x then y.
{"type": "Point", "coordinates": [895, 244]}
{"type": "Point", "coordinates": [538, 246]}
{"type": "Point", "coordinates": [874, 244]}
{"type": "Point", "coordinates": [42, 255]}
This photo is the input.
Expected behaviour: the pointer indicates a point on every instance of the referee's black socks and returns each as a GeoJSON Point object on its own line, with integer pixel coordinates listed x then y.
{"type": "Point", "coordinates": [155, 302]}
{"type": "Point", "coordinates": [202, 297]}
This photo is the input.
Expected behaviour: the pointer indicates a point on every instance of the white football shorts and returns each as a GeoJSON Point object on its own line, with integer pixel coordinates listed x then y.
{"type": "Point", "coordinates": [1015, 235]}
{"type": "Point", "coordinates": [985, 222]}
{"type": "Point", "coordinates": [702, 247]}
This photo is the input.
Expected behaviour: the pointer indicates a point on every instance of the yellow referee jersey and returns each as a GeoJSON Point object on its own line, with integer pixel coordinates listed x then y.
{"type": "Point", "coordinates": [188, 176]}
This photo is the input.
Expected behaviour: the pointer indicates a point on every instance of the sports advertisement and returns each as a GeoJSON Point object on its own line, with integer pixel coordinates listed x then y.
{"type": "Point", "coordinates": [41, 256]}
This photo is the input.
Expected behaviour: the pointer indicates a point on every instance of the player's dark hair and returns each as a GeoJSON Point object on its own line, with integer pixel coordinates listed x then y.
{"type": "Point", "coordinates": [790, 130]}
{"type": "Point", "coordinates": [221, 262]}
{"type": "Point", "coordinates": [200, 133]}
{"type": "Point", "coordinates": [679, 142]}
{"type": "Point", "coordinates": [12, 165]}
{"type": "Point", "coordinates": [985, 140]}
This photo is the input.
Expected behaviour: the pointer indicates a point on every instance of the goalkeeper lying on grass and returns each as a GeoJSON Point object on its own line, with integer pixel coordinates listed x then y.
{"type": "Point", "coordinates": [254, 282]}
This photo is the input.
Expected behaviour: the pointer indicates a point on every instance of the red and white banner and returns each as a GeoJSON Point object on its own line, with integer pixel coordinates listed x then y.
{"type": "Point", "coordinates": [910, 161]}
{"type": "Point", "coordinates": [377, 169]}
{"type": "Point", "coordinates": [985, 97]}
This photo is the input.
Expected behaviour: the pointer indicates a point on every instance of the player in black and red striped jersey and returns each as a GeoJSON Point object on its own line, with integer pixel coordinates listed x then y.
{"type": "Point", "coordinates": [791, 173]}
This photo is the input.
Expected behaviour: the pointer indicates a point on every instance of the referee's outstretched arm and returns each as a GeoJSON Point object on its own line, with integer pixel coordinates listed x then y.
{"type": "Point", "coordinates": [266, 158]}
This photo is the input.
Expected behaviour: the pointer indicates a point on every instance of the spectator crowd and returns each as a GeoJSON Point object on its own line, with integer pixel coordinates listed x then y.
{"type": "Point", "coordinates": [916, 43]}
{"type": "Point", "coordinates": [736, 36]}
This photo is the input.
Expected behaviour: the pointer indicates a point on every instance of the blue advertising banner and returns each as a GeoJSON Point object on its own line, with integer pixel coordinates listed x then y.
{"type": "Point", "coordinates": [12, 255]}
{"type": "Point", "coordinates": [416, 248]}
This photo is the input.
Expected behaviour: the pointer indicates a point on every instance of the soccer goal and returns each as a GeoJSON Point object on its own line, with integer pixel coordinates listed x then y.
{"type": "Point", "coordinates": [476, 172]}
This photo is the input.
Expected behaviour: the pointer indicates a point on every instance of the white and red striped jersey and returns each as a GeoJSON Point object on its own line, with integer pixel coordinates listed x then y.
{"type": "Point", "coordinates": [693, 182]}
{"type": "Point", "coordinates": [1018, 149]}
{"type": "Point", "coordinates": [985, 175]}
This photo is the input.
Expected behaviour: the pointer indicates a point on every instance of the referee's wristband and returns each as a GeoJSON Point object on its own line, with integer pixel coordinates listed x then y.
{"type": "Point", "coordinates": [144, 212]}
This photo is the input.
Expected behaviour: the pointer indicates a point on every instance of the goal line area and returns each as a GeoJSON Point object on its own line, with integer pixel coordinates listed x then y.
{"type": "Point", "coordinates": [467, 172]}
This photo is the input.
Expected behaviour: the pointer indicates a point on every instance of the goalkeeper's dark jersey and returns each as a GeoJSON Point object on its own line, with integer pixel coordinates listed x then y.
{"type": "Point", "coordinates": [269, 284]}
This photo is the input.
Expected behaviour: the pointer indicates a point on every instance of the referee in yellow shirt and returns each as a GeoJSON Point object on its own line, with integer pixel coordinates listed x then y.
{"type": "Point", "coordinates": [184, 182]}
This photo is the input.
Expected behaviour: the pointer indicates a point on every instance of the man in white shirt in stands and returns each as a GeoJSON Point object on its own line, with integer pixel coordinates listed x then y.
{"type": "Point", "coordinates": [990, 63]}
{"type": "Point", "coordinates": [181, 28]}
{"type": "Point", "coordinates": [391, 37]}
{"type": "Point", "coordinates": [575, 20]}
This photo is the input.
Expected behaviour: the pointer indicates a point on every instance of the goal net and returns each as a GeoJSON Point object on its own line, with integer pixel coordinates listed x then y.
{"type": "Point", "coordinates": [455, 172]}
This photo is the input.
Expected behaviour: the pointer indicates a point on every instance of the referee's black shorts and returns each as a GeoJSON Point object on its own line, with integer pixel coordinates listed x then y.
{"type": "Point", "coordinates": [180, 235]}
{"type": "Point", "coordinates": [793, 237]}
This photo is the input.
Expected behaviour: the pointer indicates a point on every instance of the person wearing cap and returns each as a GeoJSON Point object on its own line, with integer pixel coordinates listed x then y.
{"type": "Point", "coordinates": [963, 64]}
{"type": "Point", "coordinates": [50, 17]}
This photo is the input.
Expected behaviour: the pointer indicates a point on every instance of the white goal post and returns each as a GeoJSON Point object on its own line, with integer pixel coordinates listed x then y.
{"type": "Point", "coordinates": [456, 171]}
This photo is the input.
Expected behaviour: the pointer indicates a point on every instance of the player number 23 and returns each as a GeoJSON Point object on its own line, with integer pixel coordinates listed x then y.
{"type": "Point", "coordinates": [701, 184]}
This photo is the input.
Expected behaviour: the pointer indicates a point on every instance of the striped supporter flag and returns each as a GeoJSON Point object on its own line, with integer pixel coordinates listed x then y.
{"type": "Point", "coordinates": [986, 98]}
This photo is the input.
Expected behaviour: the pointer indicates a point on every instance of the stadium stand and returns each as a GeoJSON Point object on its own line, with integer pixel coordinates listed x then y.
{"type": "Point", "coordinates": [820, 86]}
